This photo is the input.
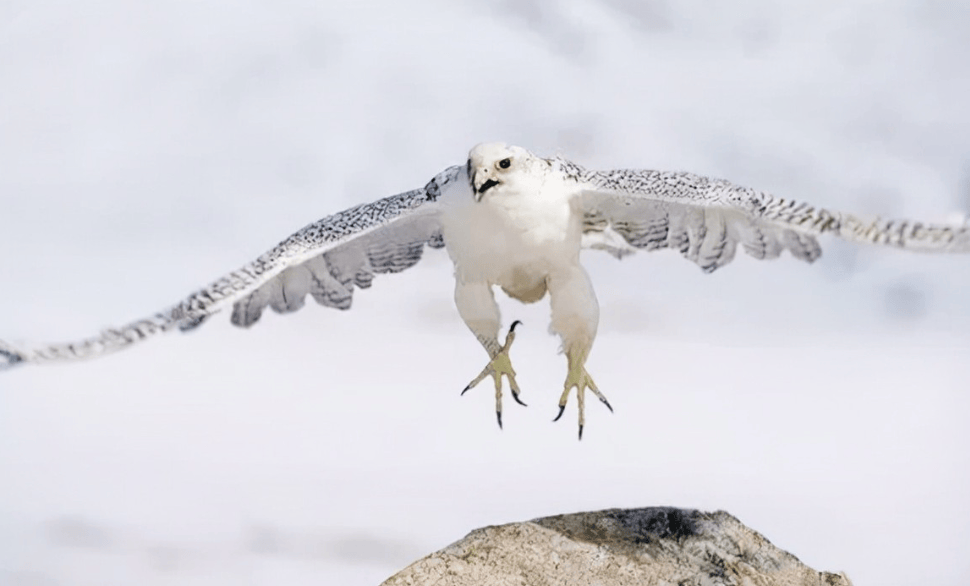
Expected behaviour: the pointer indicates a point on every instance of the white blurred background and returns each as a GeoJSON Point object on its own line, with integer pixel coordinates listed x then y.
{"type": "Point", "coordinates": [147, 148]}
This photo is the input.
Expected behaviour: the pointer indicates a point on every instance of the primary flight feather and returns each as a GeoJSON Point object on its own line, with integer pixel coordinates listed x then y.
{"type": "Point", "coordinates": [511, 219]}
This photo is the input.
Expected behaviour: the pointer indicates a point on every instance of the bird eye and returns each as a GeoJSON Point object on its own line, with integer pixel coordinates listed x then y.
{"type": "Point", "coordinates": [505, 163]}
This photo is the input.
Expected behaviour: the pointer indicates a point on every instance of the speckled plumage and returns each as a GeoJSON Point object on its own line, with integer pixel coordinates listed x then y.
{"type": "Point", "coordinates": [622, 211]}
{"type": "Point", "coordinates": [241, 286]}
{"type": "Point", "coordinates": [706, 218]}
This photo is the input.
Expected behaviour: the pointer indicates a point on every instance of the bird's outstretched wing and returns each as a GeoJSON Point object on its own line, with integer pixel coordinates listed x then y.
{"type": "Point", "coordinates": [705, 219]}
{"type": "Point", "coordinates": [326, 260]}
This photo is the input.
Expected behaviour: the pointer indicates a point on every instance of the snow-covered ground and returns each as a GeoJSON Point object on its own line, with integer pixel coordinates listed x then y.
{"type": "Point", "coordinates": [146, 148]}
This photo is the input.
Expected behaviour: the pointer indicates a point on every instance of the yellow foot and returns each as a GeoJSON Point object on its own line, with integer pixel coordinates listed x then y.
{"type": "Point", "coordinates": [580, 380]}
{"type": "Point", "coordinates": [498, 366]}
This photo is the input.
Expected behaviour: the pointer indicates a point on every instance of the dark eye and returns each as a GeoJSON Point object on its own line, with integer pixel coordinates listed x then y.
{"type": "Point", "coordinates": [505, 163]}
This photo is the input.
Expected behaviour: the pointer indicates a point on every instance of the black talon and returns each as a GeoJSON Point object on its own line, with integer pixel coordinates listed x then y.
{"type": "Point", "coordinates": [561, 409]}
{"type": "Point", "coordinates": [468, 387]}
{"type": "Point", "coordinates": [519, 401]}
{"type": "Point", "coordinates": [515, 323]}
{"type": "Point", "coordinates": [498, 415]}
{"type": "Point", "coordinates": [580, 433]}
{"type": "Point", "coordinates": [607, 403]}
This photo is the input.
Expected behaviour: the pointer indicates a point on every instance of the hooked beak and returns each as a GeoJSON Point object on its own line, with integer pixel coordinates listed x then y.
{"type": "Point", "coordinates": [481, 189]}
{"type": "Point", "coordinates": [486, 186]}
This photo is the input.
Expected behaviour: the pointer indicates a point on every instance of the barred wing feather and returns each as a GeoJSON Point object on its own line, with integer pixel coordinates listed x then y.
{"type": "Point", "coordinates": [706, 219]}
{"type": "Point", "coordinates": [330, 277]}
{"type": "Point", "coordinates": [324, 260]}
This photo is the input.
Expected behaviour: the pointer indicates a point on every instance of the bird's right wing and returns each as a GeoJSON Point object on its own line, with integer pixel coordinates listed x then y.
{"type": "Point", "coordinates": [325, 260]}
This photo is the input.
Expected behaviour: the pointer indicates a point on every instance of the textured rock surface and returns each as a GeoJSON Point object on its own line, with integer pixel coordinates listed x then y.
{"type": "Point", "coordinates": [655, 546]}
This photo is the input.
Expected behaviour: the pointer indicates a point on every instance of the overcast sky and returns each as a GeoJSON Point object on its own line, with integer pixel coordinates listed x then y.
{"type": "Point", "coordinates": [147, 148]}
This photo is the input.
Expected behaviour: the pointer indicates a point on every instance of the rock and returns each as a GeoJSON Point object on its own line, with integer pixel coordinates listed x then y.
{"type": "Point", "coordinates": [655, 546]}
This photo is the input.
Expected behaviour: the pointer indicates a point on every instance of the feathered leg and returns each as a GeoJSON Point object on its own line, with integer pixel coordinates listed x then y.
{"type": "Point", "coordinates": [575, 316]}
{"type": "Point", "coordinates": [477, 307]}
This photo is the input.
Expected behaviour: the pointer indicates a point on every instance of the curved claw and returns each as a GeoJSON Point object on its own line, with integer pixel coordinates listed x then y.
{"type": "Point", "coordinates": [562, 408]}
{"type": "Point", "coordinates": [607, 403]}
{"type": "Point", "coordinates": [498, 415]}
{"type": "Point", "coordinates": [515, 395]}
{"type": "Point", "coordinates": [580, 433]}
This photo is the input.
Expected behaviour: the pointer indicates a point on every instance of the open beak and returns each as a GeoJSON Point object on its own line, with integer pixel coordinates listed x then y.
{"type": "Point", "coordinates": [486, 186]}
{"type": "Point", "coordinates": [481, 189]}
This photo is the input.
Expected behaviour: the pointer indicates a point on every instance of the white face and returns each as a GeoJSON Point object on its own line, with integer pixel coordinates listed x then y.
{"type": "Point", "coordinates": [494, 165]}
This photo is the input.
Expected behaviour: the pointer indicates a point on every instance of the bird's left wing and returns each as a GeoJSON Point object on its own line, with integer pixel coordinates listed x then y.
{"type": "Point", "coordinates": [324, 260]}
{"type": "Point", "coordinates": [706, 219]}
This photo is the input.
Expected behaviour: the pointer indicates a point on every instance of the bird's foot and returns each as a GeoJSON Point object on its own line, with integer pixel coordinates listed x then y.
{"type": "Point", "coordinates": [500, 365]}
{"type": "Point", "coordinates": [579, 379]}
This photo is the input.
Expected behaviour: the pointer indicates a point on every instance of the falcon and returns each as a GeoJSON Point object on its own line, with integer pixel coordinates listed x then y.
{"type": "Point", "coordinates": [513, 220]}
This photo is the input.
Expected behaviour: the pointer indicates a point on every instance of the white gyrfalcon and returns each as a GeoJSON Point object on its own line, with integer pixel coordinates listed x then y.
{"type": "Point", "coordinates": [511, 219]}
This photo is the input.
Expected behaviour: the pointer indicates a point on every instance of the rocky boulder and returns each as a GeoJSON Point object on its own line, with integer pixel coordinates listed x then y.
{"type": "Point", "coordinates": [617, 547]}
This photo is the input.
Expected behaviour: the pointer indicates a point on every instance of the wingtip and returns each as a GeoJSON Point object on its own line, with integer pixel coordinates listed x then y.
{"type": "Point", "coordinates": [9, 357]}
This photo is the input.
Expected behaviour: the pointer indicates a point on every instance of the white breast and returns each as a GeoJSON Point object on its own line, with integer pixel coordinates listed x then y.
{"type": "Point", "coordinates": [531, 229]}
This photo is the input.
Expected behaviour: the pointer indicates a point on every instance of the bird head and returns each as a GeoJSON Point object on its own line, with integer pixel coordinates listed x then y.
{"type": "Point", "coordinates": [492, 166]}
